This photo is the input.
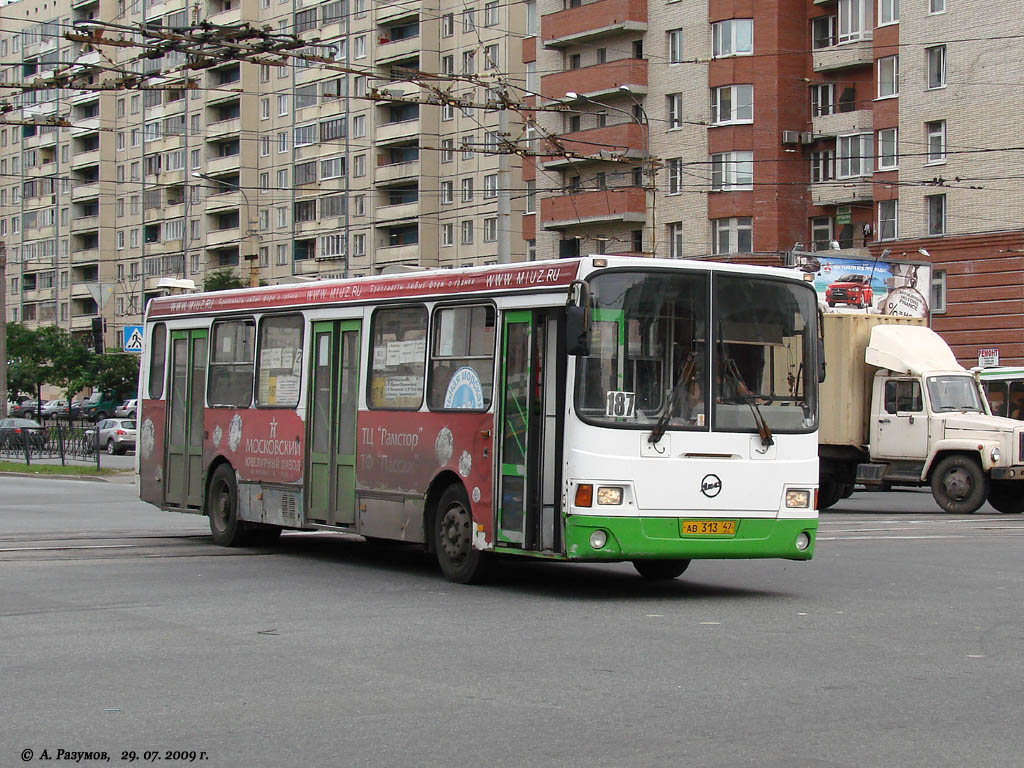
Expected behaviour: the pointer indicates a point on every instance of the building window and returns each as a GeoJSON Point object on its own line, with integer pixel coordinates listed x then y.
{"type": "Point", "coordinates": [821, 232]}
{"type": "Point", "coordinates": [734, 37]}
{"type": "Point", "coordinates": [854, 21]}
{"type": "Point", "coordinates": [675, 240]}
{"type": "Point", "coordinates": [264, 109]}
{"type": "Point", "coordinates": [447, 234]}
{"type": "Point", "coordinates": [733, 235]}
{"type": "Point", "coordinates": [823, 32]}
{"type": "Point", "coordinates": [936, 6]}
{"type": "Point", "coordinates": [490, 14]}
{"type": "Point", "coordinates": [732, 170]}
{"type": "Point", "coordinates": [359, 166]}
{"type": "Point", "coordinates": [282, 104]}
{"type": "Point", "coordinates": [732, 104]}
{"type": "Point", "coordinates": [468, 20]}
{"type": "Point", "coordinates": [467, 232]}
{"type": "Point", "coordinates": [674, 107]}
{"type": "Point", "coordinates": [888, 152]}
{"type": "Point", "coordinates": [675, 175]}
{"type": "Point", "coordinates": [935, 136]}
{"type": "Point", "coordinates": [888, 77]}
{"type": "Point", "coordinates": [675, 46]}
{"type": "Point", "coordinates": [490, 186]}
{"type": "Point", "coordinates": [823, 99]}
{"type": "Point", "coordinates": [448, 25]}
{"type": "Point", "coordinates": [938, 292]}
{"type": "Point", "coordinates": [447, 150]}
{"type": "Point", "coordinates": [447, 198]}
{"type": "Point", "coordinates": [936, 57]}
{"type": "Point", "coordinates": [360, 47]}
{"type": "Point", "coordinates": [887, 219]}
{"type": "Point", "coordinates": [854, 155]}
{"type": "Point", "coordinates": [888, 12]}
{"type": "Point", "coordinates": [936, 214]}
{"type": "Point", "coordinates": [490, 230]}
{"type": "Point", "coordinates": [531, 197]}
{"type": "Point", "coordinates": [282, 254]}
{"type": "Point", "coordinates": [467, 190]}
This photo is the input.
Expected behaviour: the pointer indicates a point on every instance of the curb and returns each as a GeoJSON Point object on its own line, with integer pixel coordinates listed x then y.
{"type": "Point", "coordinates": [39, 475]}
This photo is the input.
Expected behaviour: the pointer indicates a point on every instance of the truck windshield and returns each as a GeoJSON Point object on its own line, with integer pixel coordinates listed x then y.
{"type": "Point", "coordinates": [953, 393]}
{"type": "Point", "coordinates": [653, 334]}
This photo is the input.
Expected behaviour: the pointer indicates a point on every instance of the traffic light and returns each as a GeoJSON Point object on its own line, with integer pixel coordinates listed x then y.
{"type": "Point", "coordinates": [97, 335]}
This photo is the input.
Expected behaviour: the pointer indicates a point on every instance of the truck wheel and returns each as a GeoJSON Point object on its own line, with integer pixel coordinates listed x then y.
{"type": "Point", "coordinates": [958, 485]}
{"type": "Point", "coordinates": [660, 570]}
{"type": "Point", "coordinates": [222, 508]}
{"type": "Point", "coordinates": [1007, 496]}
{"type": "Point", "coordinates": [830, 491]}
{"type": "Point", "coordinates": [847, 491]}
{"type": "Point", "coordinates": [460, 561]}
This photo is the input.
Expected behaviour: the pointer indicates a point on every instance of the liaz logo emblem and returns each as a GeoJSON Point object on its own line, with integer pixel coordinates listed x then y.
{"type": "Point", "coordinates": [711, 486]}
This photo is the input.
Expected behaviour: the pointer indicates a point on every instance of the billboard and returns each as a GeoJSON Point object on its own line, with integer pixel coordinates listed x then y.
{"type": "Point", "coordinates": [869, 285]}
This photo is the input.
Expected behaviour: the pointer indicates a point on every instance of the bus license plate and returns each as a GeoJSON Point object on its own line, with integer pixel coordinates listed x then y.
{"type": "Point", "coordinates": [707, 527]}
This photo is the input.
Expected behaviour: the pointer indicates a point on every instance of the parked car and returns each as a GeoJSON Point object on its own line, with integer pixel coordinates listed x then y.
{"type": "Point", "coordinates": [127, 409]}
{"type": "Point", "coordinates": [851, 289]}
{"type": "Point", "coordinates": [24, 409]}
{"type": "Point", "coordinates": [53, 408]}
{"type": "Point", "coordinates": [98, 406]}
{"type": "Point", "coordinates": [14, 433]}
{"type": "Point", "coordinates": [115, 435]}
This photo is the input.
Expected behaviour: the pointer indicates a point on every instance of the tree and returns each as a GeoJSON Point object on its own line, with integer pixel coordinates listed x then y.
{"type": "Point", "coordinates": [116, 372]}
{"type": "Point", "coordinates": [47, 355]}
{"type": "Point", "coordinates": [223, 280]}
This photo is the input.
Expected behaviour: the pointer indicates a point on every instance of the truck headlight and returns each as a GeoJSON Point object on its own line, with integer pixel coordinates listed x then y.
{"type": "Point", "coordinates": [994, 455]}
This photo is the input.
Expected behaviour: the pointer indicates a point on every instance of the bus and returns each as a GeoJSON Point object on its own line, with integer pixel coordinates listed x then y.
{"type": "Point", "coordinates": [1004, 388]}
{"type": "Point", "coordinates": [604, 408]}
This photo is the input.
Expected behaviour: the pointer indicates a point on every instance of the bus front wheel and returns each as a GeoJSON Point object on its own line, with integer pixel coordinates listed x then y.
{"type": "Point", "coordinates": [660, 570]}
{"type": "Point", "coordinates": [222, 508]}
{"type": "Point", "coordinates": [453, 538]}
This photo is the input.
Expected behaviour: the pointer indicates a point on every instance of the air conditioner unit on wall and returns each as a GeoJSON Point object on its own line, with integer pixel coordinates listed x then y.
{"type": "Point", "coordinates": [791, 137]}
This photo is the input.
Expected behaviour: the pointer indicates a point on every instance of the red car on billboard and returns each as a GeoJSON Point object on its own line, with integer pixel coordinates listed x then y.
{"type": "Point", "coordinates": [852, 289]}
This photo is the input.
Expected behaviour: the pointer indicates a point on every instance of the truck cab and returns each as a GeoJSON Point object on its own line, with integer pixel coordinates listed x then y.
{"type": "Point", "coordinates": [930, 424]}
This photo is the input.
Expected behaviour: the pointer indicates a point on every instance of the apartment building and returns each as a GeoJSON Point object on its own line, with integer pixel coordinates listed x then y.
{"type": "Point", "coordinates": [278, 172]}
{"type": "Point", "coordinates": [756, 130]}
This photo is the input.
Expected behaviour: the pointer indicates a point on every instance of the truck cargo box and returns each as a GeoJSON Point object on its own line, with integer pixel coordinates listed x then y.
{"type": "Point", "coordinates": [845, 396]}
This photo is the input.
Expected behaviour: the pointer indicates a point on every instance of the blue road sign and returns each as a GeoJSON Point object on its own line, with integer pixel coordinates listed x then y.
{"type": "Point", "coordinates": [132, 338]}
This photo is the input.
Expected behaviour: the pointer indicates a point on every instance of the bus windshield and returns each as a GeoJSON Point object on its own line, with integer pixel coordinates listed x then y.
{"type": "Point", "coordinates": [953, 393]}
{"type": "Point", "coordinates": [653, 333]}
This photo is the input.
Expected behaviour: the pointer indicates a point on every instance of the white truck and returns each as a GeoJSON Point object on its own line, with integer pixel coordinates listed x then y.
{"type": "Point", "coordinates": [898, 409]}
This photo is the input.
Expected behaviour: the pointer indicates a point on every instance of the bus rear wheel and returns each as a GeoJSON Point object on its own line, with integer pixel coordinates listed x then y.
{"type": "Point", "coordinates": [660, 570]}
{"type": "Point", "coordinates": [222, 508]}
{"type": "Point", "coordinates": [453, 538]}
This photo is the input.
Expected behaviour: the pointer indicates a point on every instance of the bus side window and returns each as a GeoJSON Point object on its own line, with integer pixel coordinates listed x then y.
{"type": "Point", "coordinates": [996, 392]}
{"type": "Point", "coordinates": [157, 361]}
{"type": "Point", "coordinates": [462, 358]}
{"type": "Point", "coordinates": [1016, 400]}
{"type": "Point", "coordinates": [231, 361]}
{"type": "Point", "coordinates": [280, 363]}
{"type": "Point", "coordinates": [397, 358]}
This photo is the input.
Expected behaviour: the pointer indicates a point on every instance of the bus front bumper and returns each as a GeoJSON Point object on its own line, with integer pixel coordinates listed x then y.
{"type": "Point", "coordinates": [639, 538]}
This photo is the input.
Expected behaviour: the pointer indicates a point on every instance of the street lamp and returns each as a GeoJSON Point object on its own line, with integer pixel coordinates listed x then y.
{"type": "Point", "coordinates": [247, 252]}
{"type": "Point", "coordinates": [650, 167]}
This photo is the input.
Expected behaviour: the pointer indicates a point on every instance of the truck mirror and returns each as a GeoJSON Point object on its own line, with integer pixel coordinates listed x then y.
{"type": "Point", "coordinates": [577, 319]}
{"type": "Point", "coordinates": [821, 361]}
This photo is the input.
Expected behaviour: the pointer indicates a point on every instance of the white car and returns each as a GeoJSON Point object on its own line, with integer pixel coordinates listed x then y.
{"type": "Point", "coordinates": [127, 409]}
{"type": "Point", "coordinates": [52, 408]}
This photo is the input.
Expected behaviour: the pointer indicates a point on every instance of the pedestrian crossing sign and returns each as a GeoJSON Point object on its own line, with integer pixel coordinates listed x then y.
{"type": "Point", "coordinates": [132, 338]}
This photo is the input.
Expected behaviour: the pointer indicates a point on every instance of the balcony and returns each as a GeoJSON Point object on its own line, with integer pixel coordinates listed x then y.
{"type": "Point", "coordinates": [842, 123]}
{"type": "Point", "coordinates": [224, 201]}
{"type": "Point", "coordinates": [222, 237]}
{"type": "Point", "coordinates": [599, 144]}
{"type": "Point", "coordinates": [601, 206]}
{"type": "Point", "coordinates": [396, 171]}
{"type": "Point", "coordinates": [86, 125]}
{"type": "Point", "coordinates": [842, 191]}
{"type": "Point", "coordinates": [591, 21]}
{"type": "Point", "coordinates": [598, 80]}
{"type": "Point", "coordinates": [223, 164]}
{"type": "Point", "coordinates": [83, 159]}
{"type": "Point", "coordinates": [390, 10]}
{"type": "Point", "coordinates": [85, 190]}
{"type": "Point", "coordinates": [229, 127]}
{"type": "Point", "coordinates": [397, 253]}
{"type": "Point", "coordinates": [233, 16]}
{"type": "Point", "coordinates": [856, 54]}
{"type": "Point", "coordinates": [400, 211]}
{"type": "Point", "coordinates": [80, 290]}
{"type": "Point", "coordinates": [407, 129]}
{"type": "Point", "coordinates": [396, 50]}
{"type": "Point", "coordinates": [87, 256]}
{"type": "Point", "coordinates": [85, 224]}
{"type": "Point", "coordinates": [82, 322]}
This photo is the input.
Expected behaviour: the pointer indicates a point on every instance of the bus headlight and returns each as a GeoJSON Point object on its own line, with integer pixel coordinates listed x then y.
{"type": "Point", "coordinates": [803, 541]}
{"type": "Point", "coordinates": [994, 454]}
{"type": "Point", "coordinates": [598, 539]}
{"type": "Point", "coordinates": [798, 499]}
{"type": "Point", "coordinates": [609, 494]}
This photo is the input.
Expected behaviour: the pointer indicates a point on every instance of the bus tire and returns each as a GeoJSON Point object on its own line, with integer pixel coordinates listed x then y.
{"type": "Point", "coordinates": [222, 508]}
{"type": "Point", "coordinates": [453, 538]}
{"type": "Point", "coordinates": [1007, 496]}
{"type": "Point", "coordinates": [660, 570]}
{"type": "Point", "coordinates": [959, 485]}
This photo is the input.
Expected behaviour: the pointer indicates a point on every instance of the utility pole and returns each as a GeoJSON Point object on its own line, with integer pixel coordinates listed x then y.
{"type": "Point", "coordinates": [3, 329]}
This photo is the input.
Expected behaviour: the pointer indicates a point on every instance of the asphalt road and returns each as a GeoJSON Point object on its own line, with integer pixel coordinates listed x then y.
{"type": "Point", "coordinates": [123, 628]}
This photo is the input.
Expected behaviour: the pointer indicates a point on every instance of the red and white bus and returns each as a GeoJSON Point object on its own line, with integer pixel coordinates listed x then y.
{"type": "Point", "coordinates": [595, 409]}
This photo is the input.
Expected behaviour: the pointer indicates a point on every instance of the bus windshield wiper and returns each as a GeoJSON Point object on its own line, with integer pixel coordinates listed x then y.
{"type": "Point", "coordinates": [759, 421]}
{"type": "Point", "coordinates": [685, 376]}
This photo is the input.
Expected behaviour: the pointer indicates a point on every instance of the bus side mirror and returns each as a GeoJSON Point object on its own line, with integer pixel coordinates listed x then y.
{"type": "Point", "coordinates": [577, 319]}
{"type": "Point", "coordinates": [821, 361]}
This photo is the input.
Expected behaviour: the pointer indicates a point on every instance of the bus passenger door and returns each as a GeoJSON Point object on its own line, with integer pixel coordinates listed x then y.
{"type": "Point", "coordinates": [183, 474]}
{"type": "Point", "coordinates": [333, 405]}
{"type": "Point", "coordinates": [528, 456]}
